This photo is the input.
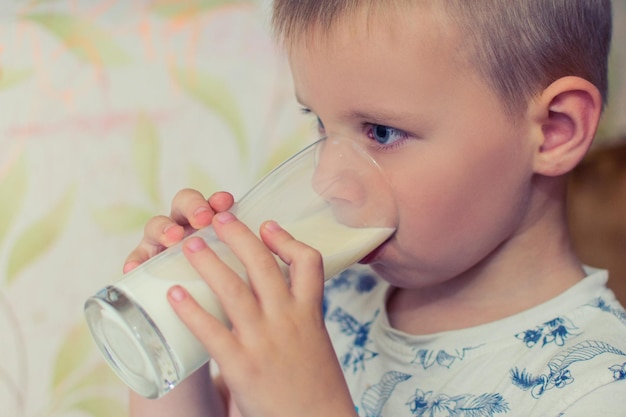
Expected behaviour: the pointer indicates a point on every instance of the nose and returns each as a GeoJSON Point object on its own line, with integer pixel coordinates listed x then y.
{"type": "Point", "coordinates": [338, 170]}
{"type": "Point", "coordinates": [351, 181]}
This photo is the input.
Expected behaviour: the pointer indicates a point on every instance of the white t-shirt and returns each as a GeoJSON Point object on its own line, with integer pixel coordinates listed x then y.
{"type": "Point", "coordinates": [566, 357]}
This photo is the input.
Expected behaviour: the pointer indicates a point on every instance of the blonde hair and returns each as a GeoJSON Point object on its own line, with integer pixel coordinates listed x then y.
{"type": "Point", "coordinates": [518, 47]}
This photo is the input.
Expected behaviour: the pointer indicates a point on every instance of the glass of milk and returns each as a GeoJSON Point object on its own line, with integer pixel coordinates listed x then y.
{"type": "Point", "coordinates": [331, 195]}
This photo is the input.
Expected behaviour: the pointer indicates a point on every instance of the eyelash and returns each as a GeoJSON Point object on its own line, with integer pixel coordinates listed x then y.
{"type": "Point", "coordinates": [319, 125]}
{"type": "Point", "coordinates": [369, 129]}
{"type": "Point", "coordinates": [383, 147]}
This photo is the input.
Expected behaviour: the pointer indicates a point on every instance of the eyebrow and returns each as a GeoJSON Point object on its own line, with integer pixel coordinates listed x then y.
{"type": "Point", "coordinates": [373, 115]}
{"type": "Point", "coordinates": [381, 116]}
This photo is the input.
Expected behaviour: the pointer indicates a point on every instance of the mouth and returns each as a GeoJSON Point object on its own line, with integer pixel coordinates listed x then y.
{"type": "Point", "coordinates": [374, 255]}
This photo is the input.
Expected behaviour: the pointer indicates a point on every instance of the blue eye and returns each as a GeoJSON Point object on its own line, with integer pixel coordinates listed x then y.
{"type": "Point", "coordinates": [385, 135]}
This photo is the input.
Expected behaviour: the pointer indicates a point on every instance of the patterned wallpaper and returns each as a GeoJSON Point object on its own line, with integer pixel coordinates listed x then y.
{"type": "Point", "coordinates": [107, 108]}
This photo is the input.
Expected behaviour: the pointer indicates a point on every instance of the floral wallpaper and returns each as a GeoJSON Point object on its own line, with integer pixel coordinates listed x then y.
{"type": "Point", "coordinates": [107, 108]}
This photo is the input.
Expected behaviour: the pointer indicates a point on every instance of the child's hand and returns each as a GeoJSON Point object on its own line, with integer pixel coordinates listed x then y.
{"type": "Point", "coordinates": [190, 211]}
{"type": "Point", "coordinates": [277, 360]}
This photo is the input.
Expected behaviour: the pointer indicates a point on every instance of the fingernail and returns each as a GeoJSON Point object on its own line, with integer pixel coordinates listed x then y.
{"type": "Point", "coordinates": [203, 214]}
{"type": "Point", "coordinates": [272, 226]}
{"type": "Point", "coordinates": [171, 236]}
{"type": "Point", "coordinates": [195, 244]}
{"type": "Point", "coordinates": [225, 217]}
{"type": "Point", "coordinates": [177, 293]}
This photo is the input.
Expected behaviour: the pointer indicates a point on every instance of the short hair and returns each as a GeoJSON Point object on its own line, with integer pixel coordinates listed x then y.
{"type": "Point", "coordinates": [518, 47]}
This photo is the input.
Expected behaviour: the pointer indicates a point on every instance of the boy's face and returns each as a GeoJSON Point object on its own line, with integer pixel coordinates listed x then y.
{"type": "Point", "coordinates": [459, 168]}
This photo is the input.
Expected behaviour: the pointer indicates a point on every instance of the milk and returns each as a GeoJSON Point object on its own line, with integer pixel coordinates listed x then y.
{"type": "Point", "coordinates": [339, 245]}
{"type": "Point", "coordinates": [138, 332]}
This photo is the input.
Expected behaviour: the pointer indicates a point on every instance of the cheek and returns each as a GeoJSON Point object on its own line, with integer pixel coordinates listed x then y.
{"type": "Point", "coordinates": [458, 211]}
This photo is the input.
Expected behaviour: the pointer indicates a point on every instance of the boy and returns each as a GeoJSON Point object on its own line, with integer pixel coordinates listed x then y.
{"type": "Point", "coordinates": [477, 305]}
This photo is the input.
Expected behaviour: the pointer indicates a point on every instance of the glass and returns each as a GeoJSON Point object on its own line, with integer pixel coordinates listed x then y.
{"type": "Point", "coordinates": [331, 195]}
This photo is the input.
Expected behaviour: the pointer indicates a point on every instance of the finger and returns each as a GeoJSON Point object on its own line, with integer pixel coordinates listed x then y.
{"type": "Point", "coordinates": [190, 207]}
{"type": "Point", "coordinates": [221, 201]}
{"type": "Point", "coordinates": [159, 233]}
{"type": "Point", "coordinates": [266, 279]}
{"type": "Point", "coordinates": [162, 231]}
{"type": "Point", "coordinates": [306, 270]}
{"type": "Point", "coordinates": [209, 330]}
{"type": "Point", "coordinates": [233, 292]}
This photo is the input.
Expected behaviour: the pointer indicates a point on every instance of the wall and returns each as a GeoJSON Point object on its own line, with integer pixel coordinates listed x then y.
{"type": "Point", "coordinates": [107, 108]}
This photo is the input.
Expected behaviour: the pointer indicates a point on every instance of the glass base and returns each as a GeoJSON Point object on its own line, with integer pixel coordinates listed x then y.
{"type": "Point", "coordinates": [131, 343]}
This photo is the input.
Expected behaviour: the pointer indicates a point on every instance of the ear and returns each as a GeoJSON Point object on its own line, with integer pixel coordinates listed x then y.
{"type": "Point", "coordinates": [568, 112]}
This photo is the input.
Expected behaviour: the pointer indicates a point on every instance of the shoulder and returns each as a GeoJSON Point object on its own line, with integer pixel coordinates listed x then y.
{"type": "Point", "coordinates": [575, 355]}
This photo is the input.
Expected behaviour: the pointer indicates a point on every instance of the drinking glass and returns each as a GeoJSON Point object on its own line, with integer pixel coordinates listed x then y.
{"type": "Point", "coordinates": [331, 195]}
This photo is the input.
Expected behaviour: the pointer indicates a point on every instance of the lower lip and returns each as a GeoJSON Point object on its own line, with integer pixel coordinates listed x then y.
{"type": "Point", "coordinates": [372, 256]}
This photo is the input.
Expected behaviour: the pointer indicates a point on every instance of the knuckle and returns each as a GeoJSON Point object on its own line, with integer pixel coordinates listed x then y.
{"type": "Point", "coordinates": [147, 250]}
{"type": "Point", "coordinates": [232, 287]}
{"type": "Point", "coordinates": [265, 263]}
{"type": "Point", "coordinates": [186, 195]}
{"type": "Point", "coordinates": [153, 226]}
{"type": "Point", "coordinates": [310, 256]}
